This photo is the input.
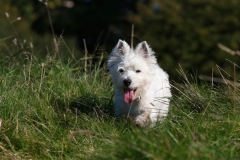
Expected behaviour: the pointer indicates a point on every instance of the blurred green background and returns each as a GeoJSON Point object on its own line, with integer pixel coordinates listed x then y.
{"type": "Point", "coordinates": [182, 32]}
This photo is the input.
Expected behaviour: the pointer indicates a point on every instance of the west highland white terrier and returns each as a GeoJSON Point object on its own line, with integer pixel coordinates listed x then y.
{"type": "Point", "coordinates": [141, 87]}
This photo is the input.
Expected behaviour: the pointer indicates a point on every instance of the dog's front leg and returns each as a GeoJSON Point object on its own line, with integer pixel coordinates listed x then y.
{"type": "Point", "coordinates": [142, 119]}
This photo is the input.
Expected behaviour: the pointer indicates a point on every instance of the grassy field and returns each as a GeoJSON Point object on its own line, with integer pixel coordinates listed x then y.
{"type": "Point", "coordinates": [50, 109]}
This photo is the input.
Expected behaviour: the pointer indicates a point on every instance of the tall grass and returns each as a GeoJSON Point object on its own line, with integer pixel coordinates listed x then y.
{"type": "Point", "coordinates": [45, 100]}
{"type": "Point", "coordinates": [59, 107]}
{"type": "Point", "coordinates": [56, 109]}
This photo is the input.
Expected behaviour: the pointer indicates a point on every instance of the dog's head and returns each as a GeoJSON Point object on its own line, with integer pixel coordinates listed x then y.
{"type": "Point", "coordinates": [131, 69]}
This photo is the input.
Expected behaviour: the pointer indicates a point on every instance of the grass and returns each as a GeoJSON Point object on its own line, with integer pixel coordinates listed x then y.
{"type": "Point", "coordinates": [50, 109]}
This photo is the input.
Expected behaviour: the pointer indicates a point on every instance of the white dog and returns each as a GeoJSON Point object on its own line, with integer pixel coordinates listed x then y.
{"type": "Point", "coordinates": [141, 87]}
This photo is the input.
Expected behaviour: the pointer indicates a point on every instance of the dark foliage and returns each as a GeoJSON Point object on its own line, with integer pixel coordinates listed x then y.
{"type": "Point", "coordinates": [180, 32]}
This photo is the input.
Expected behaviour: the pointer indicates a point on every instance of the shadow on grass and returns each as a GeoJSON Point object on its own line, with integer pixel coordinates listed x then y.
{"type": "Point", "coordinates": [93, 105]}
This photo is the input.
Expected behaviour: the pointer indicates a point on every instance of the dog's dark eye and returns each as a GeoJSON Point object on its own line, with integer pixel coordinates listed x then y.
{"type": "Point", "coordinates": [121, 70]}
{"type": "Point", "coordinates": [138, 71]}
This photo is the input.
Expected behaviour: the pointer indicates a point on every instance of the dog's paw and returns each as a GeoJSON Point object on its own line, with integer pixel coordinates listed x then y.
{"type": "Point", "coordinates": [139, 123]}
{"type": "Point", "coordinates": [141, 120]}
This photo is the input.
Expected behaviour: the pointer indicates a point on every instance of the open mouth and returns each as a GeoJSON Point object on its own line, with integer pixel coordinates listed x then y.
{"type": "Point", "coordinates": [129, 94]}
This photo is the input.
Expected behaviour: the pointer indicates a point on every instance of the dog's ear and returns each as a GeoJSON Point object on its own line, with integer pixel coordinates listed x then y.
{"type": "Point", "coordinates": [122, 47]}
{"type": "Point", "coordinates": [119, 50]}
{"type": "Point", "coordinates": [143, 49]}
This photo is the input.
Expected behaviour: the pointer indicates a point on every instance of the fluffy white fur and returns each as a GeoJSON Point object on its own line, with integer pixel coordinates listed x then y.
{"type": "Point", "coordinates": [141, 87]}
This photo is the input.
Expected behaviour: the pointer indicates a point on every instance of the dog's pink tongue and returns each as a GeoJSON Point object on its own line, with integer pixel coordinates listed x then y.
{"type": "Point", "coordinates": [128, 95]}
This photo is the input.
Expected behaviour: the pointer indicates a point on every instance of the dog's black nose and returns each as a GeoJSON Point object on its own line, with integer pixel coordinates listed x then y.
{"type": "Point", "coordinates": [127, 82]}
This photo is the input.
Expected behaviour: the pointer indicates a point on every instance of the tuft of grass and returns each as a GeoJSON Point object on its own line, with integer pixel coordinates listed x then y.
{"type": "Point", "coordinates": [56, 109]}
